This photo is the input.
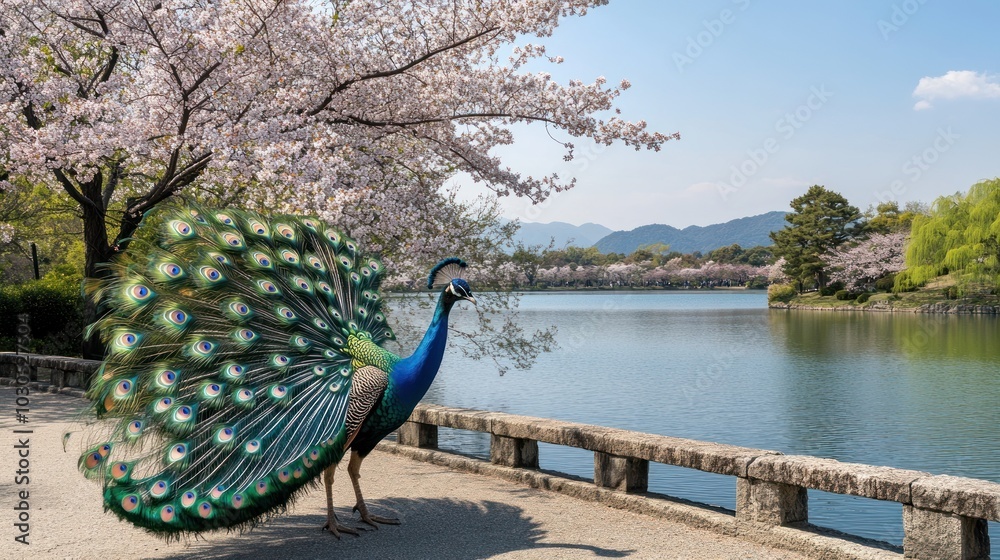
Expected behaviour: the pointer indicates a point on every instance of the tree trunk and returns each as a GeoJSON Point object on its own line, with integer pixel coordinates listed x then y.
{"type": "Point", "coordinates": [98, 251]}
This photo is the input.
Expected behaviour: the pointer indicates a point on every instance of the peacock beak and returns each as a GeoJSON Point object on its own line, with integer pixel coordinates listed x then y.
{"type": "Point", "coordinates": [472, 299]}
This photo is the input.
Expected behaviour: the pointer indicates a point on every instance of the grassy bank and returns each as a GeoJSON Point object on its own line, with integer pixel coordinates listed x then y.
{"type": "Point", "coordinates": [934, 297]}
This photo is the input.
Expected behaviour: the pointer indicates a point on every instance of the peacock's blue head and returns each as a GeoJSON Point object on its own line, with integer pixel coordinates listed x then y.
{"type": "Point", "coordinates": [458, 289]}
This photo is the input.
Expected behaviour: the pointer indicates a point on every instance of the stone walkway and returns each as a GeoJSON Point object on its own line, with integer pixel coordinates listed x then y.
{"type": "Point", "coordinates": [445, 514]}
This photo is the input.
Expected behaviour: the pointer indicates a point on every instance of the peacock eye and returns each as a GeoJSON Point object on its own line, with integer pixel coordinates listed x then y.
{"type": "Point", "coordinates": [181, 227]}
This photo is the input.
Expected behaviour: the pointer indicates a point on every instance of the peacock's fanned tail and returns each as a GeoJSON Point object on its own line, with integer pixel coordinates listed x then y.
{"type": "Point", "coordinates": [230, 341]}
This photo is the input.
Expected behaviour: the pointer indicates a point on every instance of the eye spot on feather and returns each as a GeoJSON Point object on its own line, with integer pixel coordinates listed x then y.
{"type": "Point", "coordinates": [324, 287]}
{"type": "Point", "coordinates": [181, 228]}
{"type": "Point", "coordinates": [188, 498]}
{"type": "Point", "coordinates": [211, 274]}
{"type": "Point", "coordinates": [298, 472]}
{"type": "Point", "coordinates": [212, 390]}
{"type": "Point", "coordinates": [302, 284]}
{"type": "Point", "coordinates": [119, 470]}
{"type": "Point", "coordinates": [280, 360]}
{"type": "Point", "coordinates": [224, 218]}
{"type": "Point", "coordinates": [239, 308]}
{"type": "Point", "coordinates": [221, 259]}
{"type": "Point", "coordinates": [237, 501]}
{"type": "Point", "coordinates": [289, 256]}
{"type": "Point", "coordinates": [234, 371]}
{"type": "Point", "coordinates": [335, 387]}
{"type": "Point", "coordinates": [286, 313]}
{"type": "Point", "coordinates": [319, 371]}
{"type": "Point", "coordinates": [261, 487]}
{"type": "Point", "coordinates": [163, 405]}
{"type": "Point", "coordinates": [218, 491]}
{"type": "Point", "coordinates": [127, 340]}
{"type": "Point", "coordinates": [167, 378]}
{"type": "Point", "coordinates": [177, 452]}
{"type": "Point", "coordinates": [183, 413]}
{"type": "Point", "coordinates": [171, 270]}
{"type": "Point", "coordinates": [92, 460]}
{"type": "Point", "coordinates": [159, 489]}
{"type": "Point", "coordinates": [257, 227]}
{"type": "Point", "coordinates": [261, 259]}
{"type": "Point", "coordinates": [176, 317]}
{"type": "Point", "coordinates": [246, 335]}
{"type": "Point", "coordinates": [123, 389]}
{"type": "Point", "coordinates": [284, 475]}
{"type": "Point", "coordinates": [243, 396]}
{"type": "Point", "coordinates": [374, 265]}
{"type": "Point", "coordinates": [203, 348]}
{"type": "Point", "coordinates": [300, 342]}
{"type": "Point", "coordinates": [309, 224]}
{"type": "Point", "coordinates": [315, 263]}
{"type": "Point", "coordinates": [252, 446]}
{"type": "Point", "coordinates": [345, 372]}
{"type": "Point", "coordinates": [351, 246]}
{"type": "Point", "coordinates": [321, 324]}
{"type": "Point", "coordinates": [135, 428]}
{"type": "Point", "coordinates": [333, 237]}
{"type": "Point", "coordinates": [285, 231]}
{"type": "Point", "coordinates": [139, 292]}
{"type": "Point", "coordinates": [279, 391]}
{"type": "Point", "coordinates": [345, 262]}
{"type": "Point", "coordinates": [233, 240]}
{"type": "Point", "coordinates": [268, 287]}
{"type": "Point", "coordinates": [314, 454]}
{"type": "Point", "coordinates": [224, 434]}
{"type": "Point", "coordinates": [167, 514]}
{"type": "Point", "coordinates": [130, 503]}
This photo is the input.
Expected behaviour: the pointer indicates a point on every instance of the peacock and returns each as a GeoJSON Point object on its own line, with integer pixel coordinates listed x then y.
{"type": "Point", "coordinates": [244, 358]}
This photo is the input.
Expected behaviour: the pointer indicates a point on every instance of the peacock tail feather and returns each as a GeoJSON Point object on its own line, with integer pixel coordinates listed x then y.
{"type": "Point", "coordinates": [232, 344]}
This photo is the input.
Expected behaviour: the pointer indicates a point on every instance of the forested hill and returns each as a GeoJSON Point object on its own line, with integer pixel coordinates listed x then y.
{"type": "Point", "coordinates": [747, 232]}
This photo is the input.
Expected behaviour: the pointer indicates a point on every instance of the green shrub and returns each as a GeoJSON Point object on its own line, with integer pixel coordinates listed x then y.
{"type": "Point", "coordinates": [863, 297]}
{"type": "Point", "coordinates": [843, 295]}
{"type": "Point", "coordinates": [831, 289]}
{"type": "Point", "coordinates": [780, 292]}
{"type": "Point", "coordinates": [951, 292]}
{"type": "Point", "coordinates": [54, 306]}
{"type": "Point", "coordinates": [886, 283]}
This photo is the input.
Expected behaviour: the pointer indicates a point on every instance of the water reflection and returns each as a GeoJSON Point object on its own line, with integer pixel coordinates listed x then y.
{"type": "Point", "coordinates": [912, 391]}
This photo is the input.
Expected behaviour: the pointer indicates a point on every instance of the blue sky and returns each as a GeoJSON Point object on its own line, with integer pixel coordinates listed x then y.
{"type": "Point", "coordinates": [874, 99]}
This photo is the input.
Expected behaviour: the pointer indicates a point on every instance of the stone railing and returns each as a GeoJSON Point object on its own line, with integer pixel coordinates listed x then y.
{"type": "Point", "coordinates": [944, 517]}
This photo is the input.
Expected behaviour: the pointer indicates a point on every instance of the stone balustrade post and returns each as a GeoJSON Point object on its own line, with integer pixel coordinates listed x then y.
{"type": "Point", "coordinates": [770, 503]}
{"type": "Point", "coordinates": [621, 473]}
{"type": "Point", "coordinates": [416, 434]}
{"type": "Point", "coordinates": [943, 536]}
{"type": "Point", "coordinates": [513, 452]}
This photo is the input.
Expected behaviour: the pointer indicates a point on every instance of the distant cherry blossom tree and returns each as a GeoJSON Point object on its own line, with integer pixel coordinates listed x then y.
{"type": "Point", "coordinates": [858, 266]}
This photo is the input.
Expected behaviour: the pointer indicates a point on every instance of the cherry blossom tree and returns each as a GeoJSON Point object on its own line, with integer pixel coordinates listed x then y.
{"type": "Point", "coordinates": [859, 265]}
{"type": "Point", "coordinates": [284, 105]}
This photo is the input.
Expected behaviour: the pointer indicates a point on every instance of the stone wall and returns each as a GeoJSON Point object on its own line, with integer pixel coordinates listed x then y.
{"type": "Point", "coordinates": [944, 517]}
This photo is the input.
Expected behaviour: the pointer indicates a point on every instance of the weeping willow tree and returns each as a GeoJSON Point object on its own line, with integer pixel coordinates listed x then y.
{"type": "Point", "coordinates": [961, 237]}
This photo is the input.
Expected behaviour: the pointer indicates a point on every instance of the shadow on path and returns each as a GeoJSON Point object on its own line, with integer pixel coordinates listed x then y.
{"type": "Point", "coordinates": [432, 528]}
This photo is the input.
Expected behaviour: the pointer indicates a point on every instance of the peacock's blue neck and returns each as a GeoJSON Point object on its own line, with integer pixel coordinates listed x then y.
{"type": "Point", "coordinates": [413, 375]}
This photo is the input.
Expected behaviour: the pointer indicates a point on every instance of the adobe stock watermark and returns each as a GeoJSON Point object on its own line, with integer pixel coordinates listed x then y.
{"type": "Point", "coordinates": [786, 127]}
{"type": "Point", "coordinates": [22, 435]}
{"type": "Point", "coordinates": [900, 16]}
{"type": "Point", "coordinates": [915, 167]}
{"type": "Point", "coordinates": [712, 30]}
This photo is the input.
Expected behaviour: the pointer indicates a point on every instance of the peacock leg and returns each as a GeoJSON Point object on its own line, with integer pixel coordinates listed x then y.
{"type": "Point", "coordinates": [332, 524]}
{"type": "Point", "coordinates": [354, 470]}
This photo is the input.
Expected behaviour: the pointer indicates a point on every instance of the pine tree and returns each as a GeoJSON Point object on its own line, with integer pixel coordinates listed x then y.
{"type": "Point", "coordinates": [822, 219]}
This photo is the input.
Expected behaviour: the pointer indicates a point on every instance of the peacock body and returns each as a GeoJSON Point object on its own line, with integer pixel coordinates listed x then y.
{"type": "Point", "coordinates": [244, 359]}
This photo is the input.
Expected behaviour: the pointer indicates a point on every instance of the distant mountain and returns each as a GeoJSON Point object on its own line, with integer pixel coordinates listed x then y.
{"type": "Point", "coordinates": [747, 232]}
{"type": "Point", "coordinates": [533, 233]}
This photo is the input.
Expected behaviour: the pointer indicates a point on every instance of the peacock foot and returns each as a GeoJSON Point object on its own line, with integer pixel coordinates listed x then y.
{"type": "Point", "coordinates": [336, 528]}
{"type": "Point", "coordinates": [373, 519]}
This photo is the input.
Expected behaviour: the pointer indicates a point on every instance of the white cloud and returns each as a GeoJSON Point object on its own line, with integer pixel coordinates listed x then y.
{"type": "Point", "coordinates": [955, 84]}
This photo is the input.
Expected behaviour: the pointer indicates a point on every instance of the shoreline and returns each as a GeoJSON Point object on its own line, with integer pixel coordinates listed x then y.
{"type": "Point", "coordinates": [956, 308]}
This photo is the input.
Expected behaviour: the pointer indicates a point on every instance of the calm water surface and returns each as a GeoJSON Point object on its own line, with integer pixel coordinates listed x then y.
{"type": "Point", "coordinates": [910, 391]}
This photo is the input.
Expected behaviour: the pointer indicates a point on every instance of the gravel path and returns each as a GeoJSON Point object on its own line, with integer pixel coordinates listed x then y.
{"type": "Point", "coordinates": [445, 514]}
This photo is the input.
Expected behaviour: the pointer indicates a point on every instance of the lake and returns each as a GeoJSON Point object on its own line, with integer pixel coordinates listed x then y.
{"type": "Point", "coordinates": [902, 390]}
